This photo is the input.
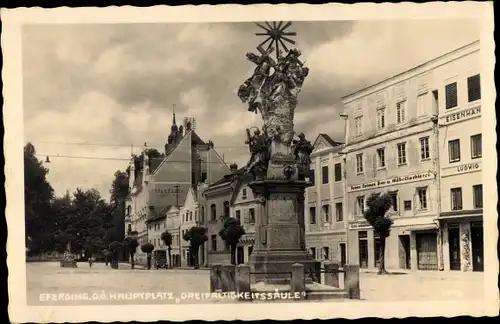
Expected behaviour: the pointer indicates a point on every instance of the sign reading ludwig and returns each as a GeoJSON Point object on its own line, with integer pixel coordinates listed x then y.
{"type": "Point", "coordinates": [392, 181]}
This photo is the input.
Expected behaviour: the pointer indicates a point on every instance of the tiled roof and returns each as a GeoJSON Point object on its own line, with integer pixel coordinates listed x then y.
{"type": "Point", "coordinates": [158, 215]}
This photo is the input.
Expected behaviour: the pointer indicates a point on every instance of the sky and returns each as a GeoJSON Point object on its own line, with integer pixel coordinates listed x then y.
{"type": "Point", "coordinates": [112, 86]}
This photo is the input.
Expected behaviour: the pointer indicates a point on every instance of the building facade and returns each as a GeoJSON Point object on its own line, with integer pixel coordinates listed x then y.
{"type": "Point", "coordinates": [391, 147]}
{"type": "Point", "coordinates": [189, 216]}
{"type": "Point", "coordinates": [460, 151]}
{"type": "Point", "coordinates": [173, 225]}
{"type": "Point", "coordinates": [324, 215]}
{"type": "Point", "coordinates": [404, 138]}
{"type": "Point", "coordinates": [218, 199]}
{"type": "Point", "coordinates": [243, 206]}
{"type": "Point", "coordinates": [158, 183]}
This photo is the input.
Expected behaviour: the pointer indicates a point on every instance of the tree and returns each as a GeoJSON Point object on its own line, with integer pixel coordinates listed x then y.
{"type": "Point", "coordinates": [166, 237]}
{"type": "Point", "coordinates": [148, 248]}
{"type": "Point", "coordinates": [119, 192]}
{"type": "Point", "coordinates": [376, 214]}
{"type": "Point", "coordinates": [231, 234]}
{"type": "Point", "coordinates": [130, 245]}
{"type": "Point", "coordinates": [196, 236]}
{"type": "Point", "coordinates": [38, 195]}
{"type": "Point", "coordinates": [114, 249]}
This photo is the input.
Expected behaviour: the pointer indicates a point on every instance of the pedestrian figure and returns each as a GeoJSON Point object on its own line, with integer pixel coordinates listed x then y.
{"type": "Point", "coordinates": [90, 262]}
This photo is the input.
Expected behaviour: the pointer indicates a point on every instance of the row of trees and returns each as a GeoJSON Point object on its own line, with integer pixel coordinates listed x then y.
{"type": "Point", "coordinates": [82, 222]}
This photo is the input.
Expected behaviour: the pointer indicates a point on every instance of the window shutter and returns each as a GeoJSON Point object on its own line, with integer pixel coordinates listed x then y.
{"type": "Point", "coordinates": [451, 95]}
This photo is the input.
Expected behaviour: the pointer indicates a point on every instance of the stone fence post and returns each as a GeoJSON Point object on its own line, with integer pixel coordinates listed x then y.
{"type": "Point", "coordinates": [351, 281]}
{"type": "Point", "coordinates": [228, 272]}
{"type": "Point", "coordinates": [215, 277]}
{"type": "Point", "coordinates": [243, 279]}
{"type": "Point", "coordinates": [297, 284]}
{"type": "Point", "coordinates": [331, 274]}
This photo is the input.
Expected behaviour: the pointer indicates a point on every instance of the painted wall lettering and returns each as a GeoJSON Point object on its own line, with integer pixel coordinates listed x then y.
{"type": "Point", "coordinates": [466, 114]}
{"type": "Point", "coordinates": [391, 181]}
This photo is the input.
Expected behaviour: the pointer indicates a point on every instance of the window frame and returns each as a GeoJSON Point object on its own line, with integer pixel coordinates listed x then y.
{"type": "Point", "coordinates": [401, 111]}
{"type": "Point", "coordinates": [450, 142]}
{"type": "Point", "coordinates": [460, 196]}
{"type": "Point", "coordinates": [359, 164]}
{"type": "Point", "coordinates": [475, 198]}
{"type": "Point", "coordinates": [399, 156]}
{"type": "Point", "coordinates": [422, 148]}
{"type": "Point", "coordinates": [472, 146]}
{"type": "Point", "coordinates": [379, 164]}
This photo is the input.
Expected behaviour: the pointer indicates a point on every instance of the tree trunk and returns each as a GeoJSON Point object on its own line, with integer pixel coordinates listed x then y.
{"type": "Point", "coordinates": [132, 262]}
{"type": "Point", "coordinates": [233, 253]}
{"type": "Point", "coordinates": [381, 265]}
{"type": "Point", "coordinates": [169, 257]}
{"type": "Point", "coordinates": [149, 260]}
{"type": "Point", "coordinates": [194, 256]}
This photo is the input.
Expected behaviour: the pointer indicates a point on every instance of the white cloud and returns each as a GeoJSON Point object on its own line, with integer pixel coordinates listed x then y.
{"type": "Point", "coordinates": [116, 84]}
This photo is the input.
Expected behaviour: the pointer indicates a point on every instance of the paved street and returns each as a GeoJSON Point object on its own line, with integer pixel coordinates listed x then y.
{"type": "Point", "coordinates": [49, 278]}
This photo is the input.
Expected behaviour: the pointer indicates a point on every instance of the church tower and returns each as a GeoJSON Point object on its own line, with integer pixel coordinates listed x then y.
{"type": "Point", "coordinates": [174, 133]}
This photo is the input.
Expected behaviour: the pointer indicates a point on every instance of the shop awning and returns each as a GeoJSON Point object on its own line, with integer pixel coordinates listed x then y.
{"type": "Point", "coordinates": [417, 228]}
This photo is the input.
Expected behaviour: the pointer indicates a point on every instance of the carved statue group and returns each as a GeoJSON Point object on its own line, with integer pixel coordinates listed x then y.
{"type": "Point", "coordinates": [272, 90]}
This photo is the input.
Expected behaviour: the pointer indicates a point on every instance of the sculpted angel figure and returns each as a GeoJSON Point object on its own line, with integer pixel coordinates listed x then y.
{"type": "Point", "coordinates": [302, 149]}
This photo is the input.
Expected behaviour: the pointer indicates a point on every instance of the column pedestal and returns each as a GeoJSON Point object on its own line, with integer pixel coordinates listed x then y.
{"type": "Point", "coordinates": [279, 231]}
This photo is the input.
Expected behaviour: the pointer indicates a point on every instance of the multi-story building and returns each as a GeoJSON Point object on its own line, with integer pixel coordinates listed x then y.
{"type": "Point", "coordinates": [324, 215]}
{"type": "Point", "coordinates": [243, 206]}
{"type": "Point", "coordinates": [460, 153]}
{"type": "Point", "coordinates": [391, 147]}
{"type": "Point", "coordinates": [218, 197]}
{"type": "Point", "coordinates": [156, 226]}
{"type": "Point", "coordinates": [173, 225]}
{"type": "Point", "coordinates": [189, 215]}
{"type": "Point", "coordinates": [155, 184]}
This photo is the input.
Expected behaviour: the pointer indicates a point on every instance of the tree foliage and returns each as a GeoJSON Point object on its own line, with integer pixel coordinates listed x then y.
{"type": "Point", "coordinates": [231, 233]}
{"type": "Point", "coordinates": [166, 237]}
{"type": "Point", "coordinates": [130, 245]}
{"type": "Point", "coordinates": [147, 247]}
{"type": "Point", "coordinates": [38, 195]}
{"type": "Point", "coordinates": [196, 236]}
{"type": "Point", "coordinates": [378, 204]}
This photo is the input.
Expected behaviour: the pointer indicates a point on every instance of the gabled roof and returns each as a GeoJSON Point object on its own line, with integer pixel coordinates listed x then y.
{"type": "Point", "coordinates": [323, 141]}
{"type": "Point", "coordinates": [191, 193]}
{"type": "Point", "coordinates": [241, 180]}
{"type": "Point", "coordinates": [158, 215]}
{"type": "Point", "coordinates": [171, 209]}
{"type": "Point", "coordinates": [329, 140]}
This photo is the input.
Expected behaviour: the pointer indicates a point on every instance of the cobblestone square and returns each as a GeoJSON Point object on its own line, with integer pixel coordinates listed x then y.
{"type": "Point", "coordinates": [174, 285]}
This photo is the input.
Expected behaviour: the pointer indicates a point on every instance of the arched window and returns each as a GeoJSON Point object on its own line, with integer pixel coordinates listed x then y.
{"type": "Point", "coordinates": [129, 210]}
{"type": "Point", "coordinates": [213, 211]}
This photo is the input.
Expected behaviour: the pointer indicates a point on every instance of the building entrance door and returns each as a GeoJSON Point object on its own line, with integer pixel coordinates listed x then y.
{"type": "Point", "coordinates": [240, 257]}
{"type": "Point", "coordinates": [363, 253]}
{"type": "Point", "coordinates": [343, 254]}
{"type": "Point", "coordinates": [427, 251]}
{"type": "Point", "coordinates": [477, 246]}
{"type": "Point", "coordinates": [404, 252]}
{"type": "Point", "coordinates": [454, 244]}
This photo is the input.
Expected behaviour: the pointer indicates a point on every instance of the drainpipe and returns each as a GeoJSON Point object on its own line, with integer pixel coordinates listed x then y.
{"type": "Point", "coordinates": [344, 178]}
{"type": "Point", "coordinates": [437, 174]}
